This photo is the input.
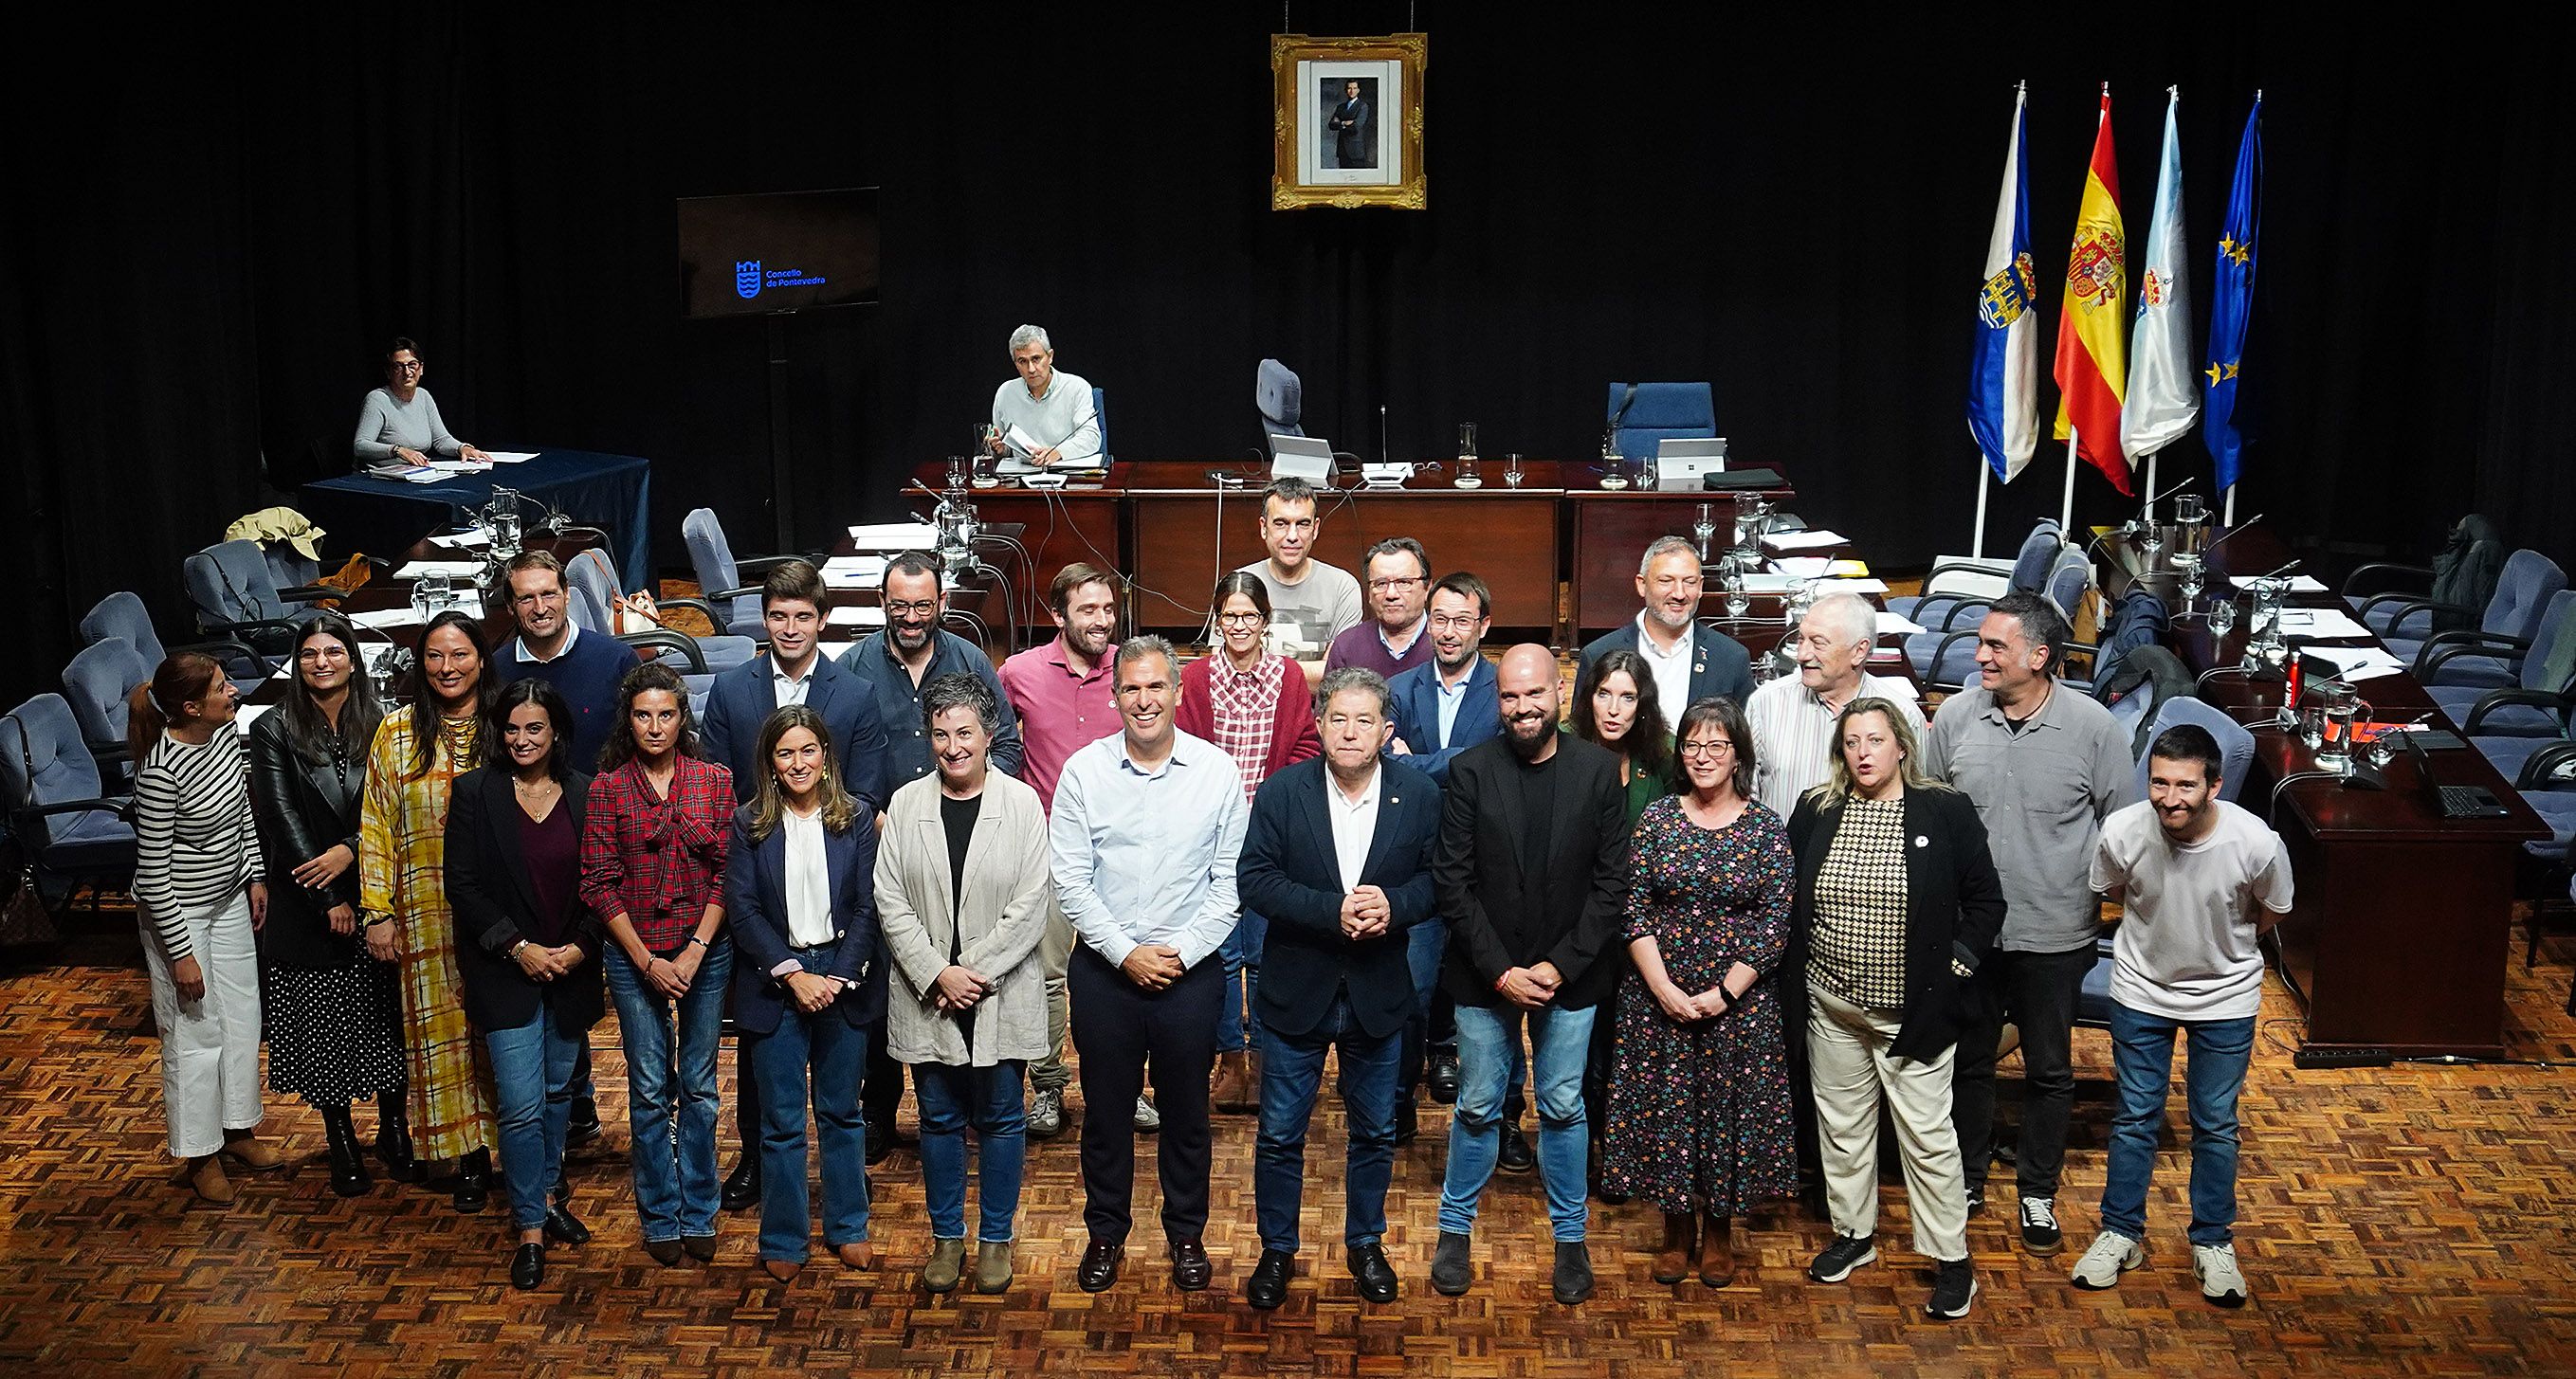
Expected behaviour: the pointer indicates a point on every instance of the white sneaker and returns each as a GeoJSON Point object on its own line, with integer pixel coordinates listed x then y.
{"type": "Point", "coordinates": [2220, 1280]}
{"type": "Point", "coordinates": [1148, 1119]}
{"type": "Point", "coordinates": [2110, 1255]}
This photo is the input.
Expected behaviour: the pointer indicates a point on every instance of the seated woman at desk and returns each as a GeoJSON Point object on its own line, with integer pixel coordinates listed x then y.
{"type": "Point", "coordinates": [400, 423]}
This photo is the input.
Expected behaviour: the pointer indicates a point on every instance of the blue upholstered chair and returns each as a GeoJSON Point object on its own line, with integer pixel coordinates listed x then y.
{"type": "Point", "coordinates": [1660, 412]}
{"type": "Point", "coordinates": [1279, 397]}
{"type": "Point", "coordinates": [235, 595]}
{"type": "Point", "coordinates": [723, 579]}
{"type": "Point", "coordinates": [1940, 611]}
{"type": "Point", "coordinates": [57, 807]}
{"type": "Point", "coordinates": [2236, 749]}
{"type": "Point", "coordinates": [594, 587]}
{"type": "Point", "coordinates": [2537, 703]}
{"type": "Point", "coordinates": [2490, 657]}
{"type": "Point", "coordinates": [2413, 600]}
{"type": "Point", "coordinates": [1100, 411]}
{"type": "Point", "coordinates": [122, 615]}
{"type": "Point", "coordinates": [1948, 660]}
{"type": "Point", "coordinates": [97, 684]}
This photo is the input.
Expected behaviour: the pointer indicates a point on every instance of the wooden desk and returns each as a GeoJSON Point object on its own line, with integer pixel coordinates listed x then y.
{"type": "Point", "coordinates": [2403, 919]}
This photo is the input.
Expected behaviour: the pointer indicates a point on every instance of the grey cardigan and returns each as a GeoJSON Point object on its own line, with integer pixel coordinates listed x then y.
{"type": "Point", "coordinates": [1006, 899]}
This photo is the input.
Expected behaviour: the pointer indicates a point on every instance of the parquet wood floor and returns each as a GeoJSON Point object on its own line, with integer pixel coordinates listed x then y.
{"type": "Point", "coordinates": [2405, 1221]}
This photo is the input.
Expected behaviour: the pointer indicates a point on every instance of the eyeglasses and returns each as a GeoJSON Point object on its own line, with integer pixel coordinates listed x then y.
{"type": "Point", "coordinates": [1245, 619]}
{"type": "Point", "coordinates": [1386, 586]}
{"type": "Point", "coordinates": [912, 608]}
{"type": "Point", "coordinates": [322, 653]}
{"type": "Point", "coordinates": [1461, 622]}
{"type": "Point", "coordinates": [1712, 750]}
{"type": "Point", "coordinates": [411, 367]}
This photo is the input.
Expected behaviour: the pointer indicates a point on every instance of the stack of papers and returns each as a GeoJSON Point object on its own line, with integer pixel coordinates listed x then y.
{"type": "Point", "coordinates": [894, 536]}
{"type": "Point", "coordinates": [856, 615]}
{"type": "Point", "coordinates": [459, 466]}
{"type": "Point", "coordinates": [1804, 566]}
{"type": "Point", "coordinates": [453, 569]}
{"type": "Point", "coordinates": [2329, 623]}
{"type": "Point", "coordinates": [853, 571]}
{"type": "Point", "coordinates": [2307, 584]}
{"type": "Point", "coordinates": [408, 473]}
{"type": "Point", "coordinates": [2357, 662]}
{"type": "Point", "coordinates": [1862, 587]}
{"type": "Point", "coordinates": [389, 617]}
{"type": "Point", "coordinates": [1802, 540]}
{"type": "Point", "coordinates": [1898, 625]}
{"type": "Point", "coordinates": [513, 456]}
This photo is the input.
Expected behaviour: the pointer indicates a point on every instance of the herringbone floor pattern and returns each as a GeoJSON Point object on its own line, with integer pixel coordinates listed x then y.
{"type": "Point", "coordinates": [2407, 1221]}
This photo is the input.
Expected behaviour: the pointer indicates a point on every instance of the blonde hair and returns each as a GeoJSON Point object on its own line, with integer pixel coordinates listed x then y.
{"type": "Point", "coordinates": [839, 810]}
{"type": "Point", "coordinates": [1839, 787]}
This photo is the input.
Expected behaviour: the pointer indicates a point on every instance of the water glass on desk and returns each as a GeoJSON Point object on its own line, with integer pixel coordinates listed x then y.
{"type": "Point", "coordinates": [2222, 617]}
{"type": "Point", "coordinates": [1730, 581]}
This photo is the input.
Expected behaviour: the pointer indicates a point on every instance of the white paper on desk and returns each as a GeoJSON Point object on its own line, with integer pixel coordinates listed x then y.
{"type": "Point", "coordinates": [853, 571]}
{"type": "Point", "coordinates": [461, 540]}
{"type": "Point", "coordinates": [383, 618]}
{"type": "Point", "coordinates": [2333, 624]}
{"type": "Point", "coordinates": [452, 568]}
{"type": "Point", "coordinates": [856, 615]}
{"type": "Point", "coordinates": [1802, 540]}
{"type": "Point", "coordinates": [1864, 585]}
{"type": "Point", "coordinates": [409, 473]}
{"type": "Point", "coordinates": [458, 466]}
{"type": "Point", "coordinates": [894, 536]}
{"type": "Point", "coordinates": [2307, 584]}
{"type": "Point", "coordinates": [1769, 584]}
{"type": "Point", "coordinates": [248, 715]}
{"type": "Point", "coordinates": [2356, 662]}
{"type": "Point", "coordinates": [513, 456]}
{"type": "Point", "coordinates": [1803, 566]}
{"type": "Point", "coordinates": [1898, 625]}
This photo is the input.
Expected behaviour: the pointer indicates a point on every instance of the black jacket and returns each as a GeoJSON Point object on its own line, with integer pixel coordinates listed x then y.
{"type": "Point", "coordinates": [304, 810]}
{"type": "Point", "coordinates": [1506, 910]}
{"type": "Point", "coordinates": [1291, 874]}
{"type": "Point", "coordinates": [755, 897]}
{"type": "Point", "coordinates": [1954, 908]}
{"type": "Point", "coordinates": [496, 906]}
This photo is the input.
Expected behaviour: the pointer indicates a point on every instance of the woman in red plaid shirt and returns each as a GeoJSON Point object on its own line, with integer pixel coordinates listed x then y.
{"type": "Point", "coordinates": [652, 868]}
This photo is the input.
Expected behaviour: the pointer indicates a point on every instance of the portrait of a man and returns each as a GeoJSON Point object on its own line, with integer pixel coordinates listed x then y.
{"type": "Point", "coordinates": [1350, 122]}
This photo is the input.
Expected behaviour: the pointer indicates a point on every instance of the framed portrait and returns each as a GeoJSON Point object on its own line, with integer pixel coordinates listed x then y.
{"type": "Point", "coordinates": [1347, 122]}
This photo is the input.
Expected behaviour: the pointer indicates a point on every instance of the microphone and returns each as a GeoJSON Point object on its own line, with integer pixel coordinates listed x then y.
{"type": "Point", "coordinates": [2231, 531]}
{"type": "Point", "coordinates": [1381, 433]}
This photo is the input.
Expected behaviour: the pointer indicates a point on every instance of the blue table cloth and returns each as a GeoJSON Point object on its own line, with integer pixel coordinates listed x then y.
{"type": "Point", "coordinates": [387, 516]}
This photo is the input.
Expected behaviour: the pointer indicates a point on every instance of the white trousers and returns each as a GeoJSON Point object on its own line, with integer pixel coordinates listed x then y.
{"type": "Point", "coordinates": [209, 1046]}
{"type": "Point", "coordinates": [1852, 1073]}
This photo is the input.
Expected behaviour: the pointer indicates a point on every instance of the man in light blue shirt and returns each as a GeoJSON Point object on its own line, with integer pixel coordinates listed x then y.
{"type": "Point", "coordinates": [1144, 836]}
{"type": "Point", "coordinates": [1055, 410]}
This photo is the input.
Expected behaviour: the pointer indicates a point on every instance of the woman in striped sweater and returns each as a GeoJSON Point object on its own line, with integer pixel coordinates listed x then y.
{"type": "Point", "coordinates": [198, 891]}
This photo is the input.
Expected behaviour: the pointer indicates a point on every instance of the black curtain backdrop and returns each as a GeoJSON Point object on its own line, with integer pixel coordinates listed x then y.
{"type": "Point", "coordinates": [211, 229]}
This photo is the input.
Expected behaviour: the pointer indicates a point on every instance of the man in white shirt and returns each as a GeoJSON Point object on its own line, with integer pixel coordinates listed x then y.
{"type": "Point", "coordinates": [2200, 880]}
{"type": "Point", "coordinates": [1689, 662]}
{"type": "Point", "coordinates": [1310, 602]}
{"type": "Point", "coordinates": [1047, 406]}
{"type": "Point", "coordinates": [1144, 839]}
{"type": "Point", "coordinates": [1793, 720]}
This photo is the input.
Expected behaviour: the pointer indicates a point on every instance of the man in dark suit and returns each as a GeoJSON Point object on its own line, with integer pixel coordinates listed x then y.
{"type": "Point", "coordinates": [1338, 856]}
{"type": "Point", "coordinates": [1690, 662]}
{"type": "Point", "coordinates": [1353, 146]}
{"type": "Point", "coordinates": [738, 705]}
{"type": "Point", "coordinates": [1532, 876]}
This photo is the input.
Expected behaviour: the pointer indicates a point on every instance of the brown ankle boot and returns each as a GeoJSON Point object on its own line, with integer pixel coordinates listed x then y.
{"type": "Point", "coordinates": [1717, 1253]}
{"type": "Point", "coordinates": [1673, 1261]}
{"type": "Point", "coordinates": [1235, 1089]}
{"type": "Point", "coordinates": [206, 1177]}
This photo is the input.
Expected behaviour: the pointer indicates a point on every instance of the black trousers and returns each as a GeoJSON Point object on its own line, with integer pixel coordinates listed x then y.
{"type": "Point", "coordinates": [1118, 1028]}
{"type": "Point", "coordinates": [2038, 993]}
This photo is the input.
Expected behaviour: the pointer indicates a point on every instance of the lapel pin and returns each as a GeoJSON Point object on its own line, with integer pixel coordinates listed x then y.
{"type": "Point", "coordinates": [1921, 841]}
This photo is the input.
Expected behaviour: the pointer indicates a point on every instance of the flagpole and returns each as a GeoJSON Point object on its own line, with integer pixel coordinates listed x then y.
{"type": "Point", "coordinates": [1977, 544]}
{"type": "Point", "coordinates": [2066, 509]}
{"type": "Point", "coordinates": [2229, 517]}
{"type": "Point", "coordinates": [2147, 517]}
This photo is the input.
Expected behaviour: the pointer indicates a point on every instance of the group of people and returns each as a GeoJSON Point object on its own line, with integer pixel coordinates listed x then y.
{"type": "Point", "coordinates": [1711, 929]}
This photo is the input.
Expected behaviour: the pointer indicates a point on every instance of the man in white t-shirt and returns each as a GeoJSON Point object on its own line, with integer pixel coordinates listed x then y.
{"type": "Point", "coordinates": [2199, 880]}
{"type": "Point", "coordinates": [1310, 602]}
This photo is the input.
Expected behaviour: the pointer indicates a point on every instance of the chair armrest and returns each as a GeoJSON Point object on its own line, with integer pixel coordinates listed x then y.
{"type": "Point", "coordinates": [122, 807]}
{"type": "Point", "coordinates": [310, 593]}
{"type": "Point", "coordinates": [668, 640]}
{"type": "Point", "coordinates": [2405, 605]}
{"type": "Point", "coordinates": [1999, 568]}
{"type": "Point", "coordinates": [731, 593]}
{"type": "Point", "coordinates": [746, 566]}
{"type": "Point", "coordinates": [2547, 763]}
{"type": "Point", "coordinates": [2538, 699]}
{"type": "Point", "coordinates": [1941, 653]}
{"type": "Point", "coordinates": [226, 650]}
{"type": "Point", "coordinates": [1959, 604]}
{"type": "Point", "coordinates": [2382, 574]}
{"type": "Point", "coordinates": [2450, 646]}
{"type": "Point", "coordinates": [252, 625]}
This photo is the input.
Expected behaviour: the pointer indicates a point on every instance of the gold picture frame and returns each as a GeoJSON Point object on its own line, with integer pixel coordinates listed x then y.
{"type": "Point", "coordinates": [1347, 152]}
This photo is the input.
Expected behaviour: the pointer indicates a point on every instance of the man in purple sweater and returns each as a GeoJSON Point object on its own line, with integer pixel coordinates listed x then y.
{"type": "Point", "coordinates": [1399, 587]}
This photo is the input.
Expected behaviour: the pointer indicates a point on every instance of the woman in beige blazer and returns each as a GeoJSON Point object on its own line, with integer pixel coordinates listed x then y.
{"type": "Point", "coordinates": [962, 898]}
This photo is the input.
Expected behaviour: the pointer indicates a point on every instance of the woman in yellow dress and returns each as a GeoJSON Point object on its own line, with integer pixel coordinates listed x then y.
{"type": "Point", "coordinates": [402, 892]}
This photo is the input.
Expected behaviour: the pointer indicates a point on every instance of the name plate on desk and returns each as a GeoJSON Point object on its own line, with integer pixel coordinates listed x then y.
{"type": "Point", "coordinates": [1385, 476]}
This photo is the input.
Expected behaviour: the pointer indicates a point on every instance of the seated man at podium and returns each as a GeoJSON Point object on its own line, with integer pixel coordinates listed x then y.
{"type": "Point", "coordinates": [1044, 417]}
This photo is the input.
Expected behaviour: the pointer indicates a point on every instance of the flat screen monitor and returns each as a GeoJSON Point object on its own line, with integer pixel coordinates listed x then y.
{"type": "Point", "coordinates": [777, 251]}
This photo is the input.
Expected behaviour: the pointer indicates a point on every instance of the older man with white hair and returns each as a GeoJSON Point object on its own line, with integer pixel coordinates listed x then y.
{"type": "Point", "coordinates": [1793, 720]}
{"type": "Point", "coordinates": [1049, 411]}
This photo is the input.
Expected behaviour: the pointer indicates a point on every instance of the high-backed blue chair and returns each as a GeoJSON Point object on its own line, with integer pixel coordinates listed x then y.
{"type": "Point", "coordinates": [1937, 610]}
{"type": "Point", "coordinates": [2537, 703]}
{"type": "Point", "coordinates": [1659, 412]}
{"type": "Point", "coordinates": [2443, 595]}
{"type": "Point", "coordinates": [1100, 412]}
{"type": "Point", "coordinates": [592, 577]}
{"type": "Point", "coordinates": [2490, 657]}
{"type": "Point", "coordinates": [723, 579]}
{"type": "Point", "coordinates": [97, 684]}
{"type": "Point", "coordinates": [122, 615]}
{"type": "Point", "coordinates": [65, 824]}
{"type": "Point", "coordinates": [1946, 660]}
{"type": "Point", "coordinates": [236, 596]}
{"type": "Point", "coordinates": [2236, 750]}
{"type": "Point", "coordinates": [1281, 400]}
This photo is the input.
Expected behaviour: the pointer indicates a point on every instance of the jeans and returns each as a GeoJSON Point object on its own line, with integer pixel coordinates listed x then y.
{"type": "Point", "coordinates": [2037, 992]}
{"type": "Point", "coordinates": [835, 1053]}
{"type": "Point", "coordinates": [1425, 944]}
{"type": "Point", "coordinates": [1292, 1071]}
{"type": "Point", "coordinates": [671, 1091]}
{"type": "Point", "coordinates": [954, 1096]}
{"type": "Point", "coordinates": [2142, 1058]}
{"type": "Point", "coordinates": [1488, 1044]}
{"type": "Point", "coordinates": [1241, 953]}
{"type": "Point", "coordinates": [533, 1068]}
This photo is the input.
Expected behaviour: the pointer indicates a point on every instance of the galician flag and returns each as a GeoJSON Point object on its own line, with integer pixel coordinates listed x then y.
{"type": "Point", "coordinates": [2231, 305]}
{"type": "Point", "coordinates": [2164, 397]}
{"type": "Point", "coordinates": [2003, 377]}
{"type": "Point", "coordinates": [2092, 339]}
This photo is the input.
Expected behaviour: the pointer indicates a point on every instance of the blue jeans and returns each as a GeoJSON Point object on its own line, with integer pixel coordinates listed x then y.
{"type": "Point", "coordinates": [532, 1076]}
{"type": "Point", "coordinates": [954, 1096]}
{"type": "Point", "coordinates": [1241, 953]}
{"type": "Point", "coordinates": [1292, 1070]}
{"type": "Point", "coordinates": [2142, 1048]}
{"type": "Point", "coordinates": [835, 1051]}
{"type": "Point", "coordinates": [671, 1091]}
{"type": "Point", "coordinates": [1488, 1046]}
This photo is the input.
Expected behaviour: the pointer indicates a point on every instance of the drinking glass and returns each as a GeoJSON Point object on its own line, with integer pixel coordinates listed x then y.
{"type": "Point", "coordinates": [2222, 617]}
{"type": "Point", "coordinates": [1512, 470]}
{"type": "Point", "coordinates": [436, 592]}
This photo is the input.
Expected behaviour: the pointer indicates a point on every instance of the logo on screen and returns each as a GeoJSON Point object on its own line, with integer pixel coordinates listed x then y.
{"type": "Point", "coordinates": [746, 278]}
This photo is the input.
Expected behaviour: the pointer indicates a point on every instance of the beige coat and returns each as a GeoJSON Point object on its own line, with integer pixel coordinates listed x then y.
{"type": "Point", "coordinates": [1006, 899]}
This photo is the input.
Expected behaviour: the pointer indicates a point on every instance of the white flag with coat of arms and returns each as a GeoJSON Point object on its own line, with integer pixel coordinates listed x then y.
{"type": "Point", "coordinates": [2164, 396]}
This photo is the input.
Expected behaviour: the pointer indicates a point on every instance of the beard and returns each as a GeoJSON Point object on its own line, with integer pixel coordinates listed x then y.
{"type": "Point", "coordinates": [1527, 748]}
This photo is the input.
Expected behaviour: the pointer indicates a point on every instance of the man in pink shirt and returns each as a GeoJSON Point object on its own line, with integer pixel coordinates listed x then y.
{"type": "Point", "coordinates": [1062, 692]}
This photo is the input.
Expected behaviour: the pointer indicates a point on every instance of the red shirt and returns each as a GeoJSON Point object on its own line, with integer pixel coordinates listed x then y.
{"type": "Point", "coordinates": [1060, 712]}
{"type": "Point", "coordinates": [657, 860]}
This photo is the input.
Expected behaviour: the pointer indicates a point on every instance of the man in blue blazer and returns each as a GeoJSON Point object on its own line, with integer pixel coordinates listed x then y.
{"type": "Point", "coordinates": [738, 705]}
{"type": "Point", "coordinates": [1690, 662]}
{"type": "Point", "coordinates": [1338, 856]}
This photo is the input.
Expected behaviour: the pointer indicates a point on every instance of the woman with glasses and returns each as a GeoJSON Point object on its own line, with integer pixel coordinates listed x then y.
{"type": "Point", "coordinates": [1699, 1102]}
{"type": "Point", "coordinates": [400, 424]}
{"type": "Point", "coordinates": [334, 1013]}
{"type": "Point", "coordinates": [1253, 703]}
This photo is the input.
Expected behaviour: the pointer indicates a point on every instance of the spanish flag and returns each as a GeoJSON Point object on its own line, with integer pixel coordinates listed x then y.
{"type": "Point", "coordinates": [2092, 341]}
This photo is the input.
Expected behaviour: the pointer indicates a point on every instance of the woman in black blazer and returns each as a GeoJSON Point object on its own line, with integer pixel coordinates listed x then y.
{"type": "Point", "coordinates": [334, 1013]}
{"type": "Point", "coordinates": [527, 948]}
{"type": "Point", "coordinates": [1897, 903]}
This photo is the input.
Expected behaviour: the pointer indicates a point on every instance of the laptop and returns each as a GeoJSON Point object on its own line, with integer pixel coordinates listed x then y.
{"type": "Point", "coordinates": [2451, 801]}
{"type": "Point", "coordinates": [1708, 451]}
{"type": "Point", "coordinates": [1301, 457]}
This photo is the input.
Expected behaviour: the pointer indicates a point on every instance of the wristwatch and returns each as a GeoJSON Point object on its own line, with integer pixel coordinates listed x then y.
{"type": "Point", "coordinates": [513, 953]}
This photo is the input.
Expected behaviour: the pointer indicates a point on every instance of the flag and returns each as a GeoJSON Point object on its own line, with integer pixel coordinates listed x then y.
{"type": "Point", "coordinates": [2003, 378]}
{"type": "Point", "coordinates": [2232, 307]}
{"type": "Point", "coordinates": [2092, 349]}
{"type": "Point", "coordinates": [2162, 400]}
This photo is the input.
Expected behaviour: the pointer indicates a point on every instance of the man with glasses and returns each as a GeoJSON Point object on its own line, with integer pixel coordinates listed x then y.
{"type": "Point", "coordinates": [1793, 719]}
{"type": "Point", "coordinates": [1051, 408]}
{"type": "Point", "coordinates": [914, 650]}
{"type": "Point", "coordinates": [1399, 586]}
{"type": "Point", "coordinates": [1311, 602]}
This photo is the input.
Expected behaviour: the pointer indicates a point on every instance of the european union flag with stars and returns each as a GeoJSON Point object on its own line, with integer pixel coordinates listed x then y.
{"type": "Point", "coordinates": [2231, 309]}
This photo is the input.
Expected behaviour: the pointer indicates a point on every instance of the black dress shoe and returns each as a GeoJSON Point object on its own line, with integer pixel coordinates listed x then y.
{"type": "Point", "coordinates": [880, 1137]}
{"type": "Point", "coordinates": [1376, 1277]}
{"type": "Point", "coordinates": [583, 1125]}
{"type": "Point", "coordinates": [562, 1225]}
{"type": "Point", "coordinates": [528, 1267]}
{"type": "Point", "coordinates": [1408, 1124]}
{"type": "Point", "coordinates": [1099, 1270]}
{"type": "Point", "coordinates": [665, 1252]}
{"type": "Point", "coordinates": [474, 1181]}
{"type": "Point", "coordinates": [1268, 1286]}
{"type": "Point", "coordinates": [1515, 1156]}
{"type": "Point", "coordinates": [1443, 1079]}
{"type": "Point", "coordinates": [1191, 1270]}
{"type": "Point", "coordinates": [743, 1188]}
{"type": "Point", "coordinates": [701, 1248]}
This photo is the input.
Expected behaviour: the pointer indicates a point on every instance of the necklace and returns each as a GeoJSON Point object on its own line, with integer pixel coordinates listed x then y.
{"type": "Point", "coordinates": [457, 736]}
